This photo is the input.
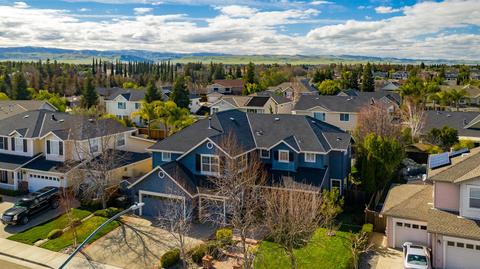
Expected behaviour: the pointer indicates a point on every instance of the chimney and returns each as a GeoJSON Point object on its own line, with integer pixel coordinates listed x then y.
{"type": "Point", "coordinates": [53, 117]}
{"type": "Point", "coordinates": [209, 122]}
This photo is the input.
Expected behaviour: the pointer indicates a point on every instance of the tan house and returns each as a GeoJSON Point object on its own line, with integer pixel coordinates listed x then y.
{"type": "Point", "coordinates": [443, 213]}
{"type": "Point", "coordinates": [226, 86]}
{"type": "Point", "coordinates": [253, 104]}
{"type": "Point", "coordinates": [342, 110]}
{"type": "Point", "coordinates": [41, 148]}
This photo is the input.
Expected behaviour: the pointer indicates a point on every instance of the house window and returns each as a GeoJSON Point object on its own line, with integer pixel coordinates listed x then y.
{"type": "Point", "coordinates": [20, 144]}
{"type": "Point", "coordinates": [460, 245]}
{"type": "Point", "coordinates": [3, 176]}
{"type": "Point", "coordinates": [251, 110]}
{"type": "Point", "coordinates": [120, 140]}
{"type": "Point", "coordinates": [344, 117]}
{"type": "Point", "coordinates": [423, 227]}
{"type": "Point", "coordinates": [450, 243]}
{"type": "Point", "coordinates": [137, 105]}
{"type": "Point", "coordinates": [122, 105]}
{"type": "Point", "coordinates": [336, 183]}
{"type": "Point", "coordinates": [407, 225]}
{"type": "Point", "coordinates": [474, 197]}
{"type": "Point", "coordinates": [215, 110]}
{"type": "Point", "coordinates": [310, 157]}
{"type": "Point", "coordinates": [209, 164]}
{"type": "Point", "coordinates": [319, 116]}
{"type": "Point", "coordinates": [215, 89]}
{"type": "Point", "coordinates": [54, 147]}
{"type": "Point", "coordinates": [283, 156]}
{"type": "Point", "coordinates": [399, 224]}
{"type": "Point", "coordinates": [265, 154]}
{"type": "Point", "coordinates": [166, 156]}
{"type": "Point", "coordinates": [94, 145]}
{"type": "Point", "coordinates": [4, 143]}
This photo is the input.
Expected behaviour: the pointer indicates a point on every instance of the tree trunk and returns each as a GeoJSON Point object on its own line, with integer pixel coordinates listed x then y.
{"type": "Point", "coordinates": [246, 263]}
{"type": "Point", "coordinates": [293, 261]}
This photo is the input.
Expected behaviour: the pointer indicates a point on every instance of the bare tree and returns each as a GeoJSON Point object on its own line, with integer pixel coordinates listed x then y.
{"type": "Point", "coordinates": [67, 201]}
{"type": "Point", "coordinates": [359, 244]}
{"type": "Point", "coordinates": [413, 115]}
{"type": "Point", "coordinates": [330, 207]}
{"type": "Point", "coordinates": [375, 118]}
{"type": "Point", "coordinates": [241, 175]}
{"type": "Point", "coordinates": [291, 217]}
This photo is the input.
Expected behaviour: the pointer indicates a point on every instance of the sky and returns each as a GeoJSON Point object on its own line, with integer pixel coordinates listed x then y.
{"type": "Point", "coordinates": [448, 29]}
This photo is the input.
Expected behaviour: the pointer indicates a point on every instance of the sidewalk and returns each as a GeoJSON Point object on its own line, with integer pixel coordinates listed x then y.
{"type": "Point", "coordinates": [41, 258]}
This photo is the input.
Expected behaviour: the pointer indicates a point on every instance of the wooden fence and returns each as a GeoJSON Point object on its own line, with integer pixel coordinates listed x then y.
{"type": "Point", "coordinates": [156, 134]}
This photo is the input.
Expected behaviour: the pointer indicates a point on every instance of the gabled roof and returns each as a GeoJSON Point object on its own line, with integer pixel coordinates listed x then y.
{"type": "Point", "coordinates": [251, 131]}
{"type": "Point", "coordinates": [463, 168]}
{"type": "Point", "coordinates": [9, 108]}
{"type": "Point", "coordinates": [410, 201]}
{"type": "Point", "coordinates": [37, 123]}
{"type": "Point", "coordinates": [345, 103]}
{"type": "Point", "coordinates": [279, 99]}
{"type": "Point", "coordinates": [132, 95]}
{"type": "Point", "coordinates": [229, 82]}
{"type": "Point", "coordinates": [466, 123]}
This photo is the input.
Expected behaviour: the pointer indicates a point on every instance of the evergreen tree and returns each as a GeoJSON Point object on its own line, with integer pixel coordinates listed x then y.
{"type": "Point", "coordinates": [151, 93]}
{"type": "Point", "coordinates": [368, 81]}
{"type": "Point", "coordinates": [180, 93]}
{"type": "Point", "coordinates": [89, 94]}
{"type": "Point", "coordinates": [19, 87]}
{"type": "Point", "coordinates": [250, 77]}
{"type": "Point", "coordinates": [238, 72]}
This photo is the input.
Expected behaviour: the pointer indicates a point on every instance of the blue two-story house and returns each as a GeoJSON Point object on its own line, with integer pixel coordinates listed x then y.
{"type": "Point", "coordinates": [296, 151]}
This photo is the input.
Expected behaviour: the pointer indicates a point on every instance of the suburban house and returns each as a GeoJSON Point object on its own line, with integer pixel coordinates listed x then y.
{"type": "Point", "coordinates": [226, 86]}
{"type": "Point", "coordinates": [451, 77]}
{"type": "Point", "coordinates": [400, 75]}
{"type": "Point", "coordinates": [466, 123]}
{"type": "Point", "coordinates": [342, 110]}
{"type": "Point", "coordinates": [390, 86]}
{"type": "Point", "coordinates": [292, 90]}
{"type": "Point", "coordinates": [9, 108]}
{"type": "Point", "coordinates": [264, 104]}
{"type": "Point", "coordinates": [443, 213]}
{"type": "Point", "coordinates": [475, 74]}
{"type": "Point", "coordinates": [472, 96]}
{"type": "Point", "coordinates": [123, 102]}
{"type": "Point", "coordinates": [297, 151]}
{"type": "Point", "coordinates": [380, 74]}
{"type": "Point", "coordinates": [41, 148]}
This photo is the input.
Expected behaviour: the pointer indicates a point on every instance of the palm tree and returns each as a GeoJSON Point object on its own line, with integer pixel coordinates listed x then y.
{"type": "Point", "coordinates": [179, 118]}
{"type": "Point", "coordinates": [457, 95]}
{"type": "Point", "coordinates": [148, 113]}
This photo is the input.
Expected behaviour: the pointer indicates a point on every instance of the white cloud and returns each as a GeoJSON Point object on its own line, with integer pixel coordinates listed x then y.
{"type": "Point", "coordinates": [20, 5]}
{"type": "Point", "coordinates": [318, 3]}
{"type": "Point", "coordinates": [83, 9]}
{"type": "Point", "coordinates": [386, 10]}
{"type": "Point", "coordinates": [237, 11]}
{"type": "Point", "coordinates": [142, 10]}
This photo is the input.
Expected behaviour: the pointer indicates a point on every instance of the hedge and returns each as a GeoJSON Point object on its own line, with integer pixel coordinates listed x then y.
{"type": "Point", "coordinates": [108, 212]}
{"type": "Point", "coordinates": [170, 258]}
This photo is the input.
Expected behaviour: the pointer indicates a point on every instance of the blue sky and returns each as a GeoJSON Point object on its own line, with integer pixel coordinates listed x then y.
{"type": "Point", "coordinates": [406, 29]}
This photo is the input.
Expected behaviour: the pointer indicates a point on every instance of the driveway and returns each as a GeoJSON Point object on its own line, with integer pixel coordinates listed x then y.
{"type": "Point", "coordinates": [382, 257]}
{"type": "Point", "coordinates": [8, 230]}
{"type": "Point", "coordinates": [139, 244]}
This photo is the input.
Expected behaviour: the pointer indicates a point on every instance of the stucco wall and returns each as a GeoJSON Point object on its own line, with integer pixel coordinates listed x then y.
{"type": "Point", "coordinates": [465, 209]}
{"type": "Point", "coordinates": [446, 196]}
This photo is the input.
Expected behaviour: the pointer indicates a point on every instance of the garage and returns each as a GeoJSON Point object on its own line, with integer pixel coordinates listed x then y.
{"type": "Point", "coordinates": [38, 181]}
{"type": "Point", "coordinates": [461, 253]}
{"type": "Point", "coordinates": [409, 231]}
{"type": "Point", "coordinates": [161, 206]}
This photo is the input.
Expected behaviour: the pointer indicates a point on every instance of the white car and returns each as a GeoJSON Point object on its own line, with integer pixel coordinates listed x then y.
{"type": "Point", "coordinates": [416, 256]}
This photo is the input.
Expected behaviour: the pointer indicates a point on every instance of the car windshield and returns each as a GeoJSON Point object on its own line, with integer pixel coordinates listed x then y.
{"type": "Point", "coordinates": [417, 259]}
{"type": "Point", "coordinates": [24, 203]}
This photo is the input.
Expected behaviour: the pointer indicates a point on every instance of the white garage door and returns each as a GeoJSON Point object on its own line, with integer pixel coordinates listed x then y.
{"type": "Point", "coordinates": [37, 181]}
{"type": "Point", "coordinates": [410, 231]}
{"type": "Point", "coordinates": [462, 254]}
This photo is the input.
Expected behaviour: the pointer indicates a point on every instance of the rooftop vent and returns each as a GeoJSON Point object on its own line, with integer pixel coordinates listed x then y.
{"type": "Point", "coordinates": [277, 119]}
{"type": "Point", "coordinates": [26, 116]}
{"type": "Point", "coordinates": [209, 122]}
{"type": "Point", "coordinates": [61, 120]}
{"type": "Point", "coordinates": [53, 117]}
{"type": "Point", "coordinates": [339, 139]}
{"type": "Point", "coordinates": [232, 118]}
{"type": "Point", "coordinates": [259, 133]}
{"type": "Point", "coordinates": [448, 115]}
{"type": "Point", "coordinates": [90, 120]}
{"type": "Point", "coordinates": [465, 122]}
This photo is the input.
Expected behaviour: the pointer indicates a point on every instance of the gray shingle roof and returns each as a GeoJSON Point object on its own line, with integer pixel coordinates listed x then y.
{"type": "Point", "coordinates": [463, 122]}
{"type": "Point", "coordinates": [260, 131]}
{"type": "Point", "coordinates": [345, 103]}
{"type": "Point", "coordinates": [463, 168]}
{"type": "Point", "coordinates": [12, 107]}
{"type": "Point", "coordinates": [38, 123]}
{"type": "Point", "coordinates": [42, 164]}
{"type": "Point", "coordinates": [132, 95]}
{"type": "Point", "coordinates": [410, 201]}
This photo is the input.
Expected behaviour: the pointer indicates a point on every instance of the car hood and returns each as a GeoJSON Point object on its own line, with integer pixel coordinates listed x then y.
{"type": "Point", "coordinates": [14, 211]}
{"type": "Point", "coordinates": [416, 266]}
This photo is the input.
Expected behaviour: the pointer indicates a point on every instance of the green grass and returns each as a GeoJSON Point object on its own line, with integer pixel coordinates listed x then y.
{"type": "Point", "coordinates": [41, 231]}
{"type": "Point", "coordinates": [83, 231]}
{"type": "Point", "coordinates": [321, 252]}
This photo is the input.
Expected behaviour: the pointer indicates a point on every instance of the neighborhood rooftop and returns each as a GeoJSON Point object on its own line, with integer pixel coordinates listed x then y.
{"type": "Point", "coordinates": [466, 123]}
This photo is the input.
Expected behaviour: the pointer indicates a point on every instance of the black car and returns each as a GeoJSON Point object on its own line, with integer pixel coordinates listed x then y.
{"type": "Point", "coordinates": [30, 205]}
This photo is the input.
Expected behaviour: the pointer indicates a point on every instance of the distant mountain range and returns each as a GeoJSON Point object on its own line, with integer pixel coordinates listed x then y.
{"type": "Point", "coordinates": [85, 56]}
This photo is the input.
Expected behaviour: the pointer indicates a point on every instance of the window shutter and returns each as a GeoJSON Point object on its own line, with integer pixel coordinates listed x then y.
{"type": "Point", "coordinates": [290, 156]}
{"type": "Point", "coordinates": [5, 143]}
{"type": "Point", "coordinates": [25, 145]}
{"type": "Point", "coordinates": [275, 155]}
{"type": "Point", "coordinates": [13, 143]}
{"type": "Point", "coordinates": [197, 162]}
{"type": "Point", "coordinates": [48, 146]}
{"type": "Point", "coordinates": [60, 148]}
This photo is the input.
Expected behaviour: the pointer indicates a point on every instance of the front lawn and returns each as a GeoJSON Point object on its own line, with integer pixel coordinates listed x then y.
{"type": "Point", "coordinates": [83, 231]}
{"type": "Point", "coordinates": [321, 252]}
{"type": "Point", "coordinates": [41, 231]}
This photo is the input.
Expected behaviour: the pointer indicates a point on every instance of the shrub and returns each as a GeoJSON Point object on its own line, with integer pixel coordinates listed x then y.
{"type": "Point", "coordinates": [75, 222]}
{"type": "Point", "coordinates": [367, 228]}
{"type": "Point", "coordinates": [224, 236]}
{"type": "Point", "coordinates": [198, 252]}
{"type": "Point", "coordinates": [90, 205]}
{"type": "Point", "coordinates": [464, 143]}
{"type": "Point", "coordinates": [170, 258]}
{"type": "Point", "coordinates": [55, 233]}
{"type": "Point", "coordinates": [107, 213]}
{"type": "Point", "coordinates": [213, 250]}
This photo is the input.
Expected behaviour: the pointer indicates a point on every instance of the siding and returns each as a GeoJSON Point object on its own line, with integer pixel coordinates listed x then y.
{"type": "Point", "coordinates": [157, 158]}
{"type": "Point", "coordinates": [189, 160]}
{"type": "Point", "coordinates": [465, 210]}
{"type": "Point", "coordinates": [290, 166]}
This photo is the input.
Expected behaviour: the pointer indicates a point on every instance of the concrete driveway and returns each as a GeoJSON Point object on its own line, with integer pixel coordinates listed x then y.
{"type": "Point", "coordinates": [6, 231]}
{"type": "Point", "coordinates": [139, 244]}
{"type": "Point", "coordinates": [382, 257]}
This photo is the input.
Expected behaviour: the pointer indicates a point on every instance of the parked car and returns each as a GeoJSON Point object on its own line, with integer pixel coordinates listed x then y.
{"type": "Point", "coordinates": [30, 205]}
{"type": "Point", "coordinates": [416, 256]}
